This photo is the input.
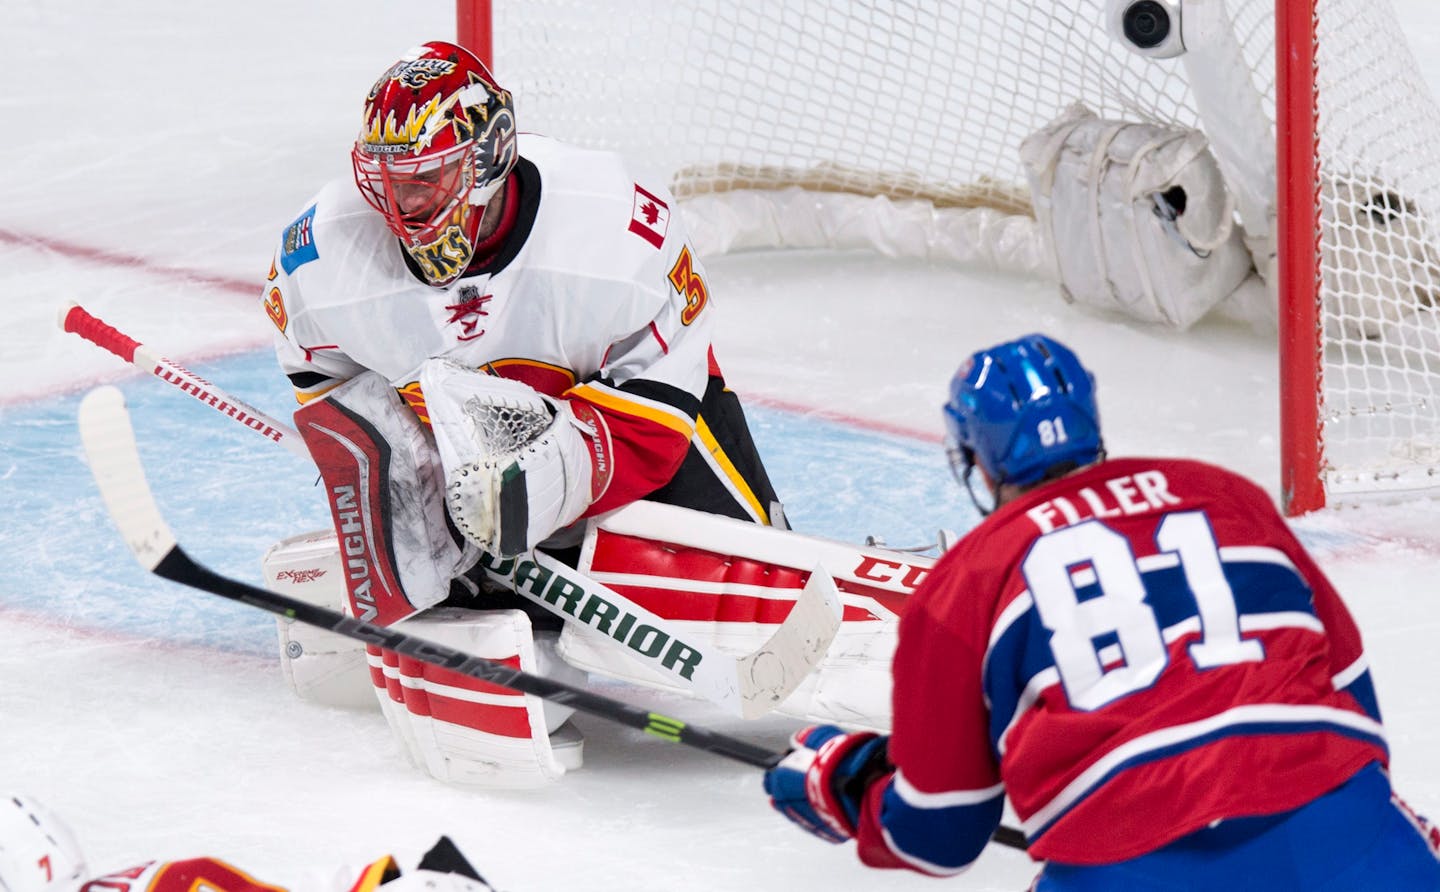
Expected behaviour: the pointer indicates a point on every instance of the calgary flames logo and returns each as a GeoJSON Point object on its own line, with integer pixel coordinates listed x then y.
{"type": "Point", "coordinates": [496, 148]}
{"type": "Point", "coordinates": [412, 74]}
{"type": "Point", "coordinates": [424, 122]}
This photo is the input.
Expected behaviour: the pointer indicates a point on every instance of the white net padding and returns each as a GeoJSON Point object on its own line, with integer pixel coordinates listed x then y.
{"type": "Point", "coordinates": [896, 126]}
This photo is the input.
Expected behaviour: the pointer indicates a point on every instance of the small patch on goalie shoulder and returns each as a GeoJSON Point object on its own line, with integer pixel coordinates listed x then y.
{"type": "Point", "coordinates": [298, 245]}
{"type": "Point", "coordinates": [650, 217]}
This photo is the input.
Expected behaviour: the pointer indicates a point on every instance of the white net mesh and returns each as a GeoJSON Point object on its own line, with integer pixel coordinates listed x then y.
{"type": "Point", "coordinates": [1380, 194]}
{"type": "Point", "coordinates": [503, 427]}
{"type": "Point", "coordinates": [831, 92]}
{"type": "Point", "coordinates": [930, 101]}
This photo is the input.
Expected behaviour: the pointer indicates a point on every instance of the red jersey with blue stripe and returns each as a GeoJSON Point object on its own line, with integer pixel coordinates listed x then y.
{"type": "Point", "coordinates": [1130, 653]}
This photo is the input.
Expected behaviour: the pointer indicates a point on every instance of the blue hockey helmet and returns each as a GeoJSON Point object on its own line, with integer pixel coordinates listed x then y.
{"type": "Point", "coordinates": [1022, 411]}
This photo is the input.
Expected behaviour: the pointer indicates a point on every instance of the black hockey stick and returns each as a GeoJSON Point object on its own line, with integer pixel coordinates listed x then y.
{"type": "Point", "coordinates": [748, 685]}
{"type": "Point", "coordinates": [114, 460]}
{"type": "Point", "coordinates": [115, 463]}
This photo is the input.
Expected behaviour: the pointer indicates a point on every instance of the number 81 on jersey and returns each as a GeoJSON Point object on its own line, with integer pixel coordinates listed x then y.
{"type": "Point", "coordinates": [1094, 676]}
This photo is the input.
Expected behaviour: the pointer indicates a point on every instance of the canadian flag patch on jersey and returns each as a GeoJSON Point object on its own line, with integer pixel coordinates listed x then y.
{"type": "Point", "coordinates": [650, 217]}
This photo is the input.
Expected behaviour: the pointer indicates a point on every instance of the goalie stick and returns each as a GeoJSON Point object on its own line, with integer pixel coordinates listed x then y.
{"type": "Point", "coordinates": [110, 449]}
{"type": "Point", "coordinates": [748, 685]}
{"type": "Point", "coordinates": [75, 319]}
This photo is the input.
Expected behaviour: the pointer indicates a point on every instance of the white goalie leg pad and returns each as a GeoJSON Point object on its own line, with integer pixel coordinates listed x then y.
{"type": "Point", "coordinates": [518, 465]}
{"type": "Point", "coordinates": [728, 582]}
{"type": "Point", "coordinates": [319, 665]}
{"type": "Point", "coordinates": [1138, 217]}
{"type": "Point", "coordinates": [473, 733]}
{"type": "Point", "coordinates": [850, 686]}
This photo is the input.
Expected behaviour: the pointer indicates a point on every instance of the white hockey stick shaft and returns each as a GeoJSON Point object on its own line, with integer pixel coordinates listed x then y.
{"type": "Point", "coordinates": [77, 320]}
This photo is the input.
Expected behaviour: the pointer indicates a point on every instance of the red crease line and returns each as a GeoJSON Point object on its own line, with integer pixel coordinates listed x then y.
{"type": "Point", "coordinates": [115, 258]}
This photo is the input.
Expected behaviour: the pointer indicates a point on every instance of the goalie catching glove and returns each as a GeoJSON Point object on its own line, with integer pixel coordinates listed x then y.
{"type": "Point", "coordinates": [519, 465]}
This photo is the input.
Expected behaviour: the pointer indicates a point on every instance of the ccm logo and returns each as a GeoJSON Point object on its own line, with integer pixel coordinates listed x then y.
{"type": "Point", "coordinates": [880, 570]}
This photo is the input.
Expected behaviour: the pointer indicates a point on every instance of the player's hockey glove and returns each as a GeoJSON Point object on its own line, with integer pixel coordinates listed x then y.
{"type": "Point", "coordinates": [822, 780]}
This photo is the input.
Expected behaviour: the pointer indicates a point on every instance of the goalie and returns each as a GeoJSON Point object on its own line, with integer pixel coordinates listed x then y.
{"type": "Point", "coordinates": [493, 336]}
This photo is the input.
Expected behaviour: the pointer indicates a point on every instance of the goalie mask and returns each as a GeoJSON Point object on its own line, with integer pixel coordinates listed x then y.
{"type": "Point", "coordinates": [1022, 411]}
{"type": "Point", "coordinates": [437, 143]}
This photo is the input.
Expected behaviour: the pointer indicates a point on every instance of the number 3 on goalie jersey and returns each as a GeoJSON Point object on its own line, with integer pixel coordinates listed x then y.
{"type": "Point", "coordinates": [1139, 653]}
{"type": "Point", "coordinates": [690, 286]}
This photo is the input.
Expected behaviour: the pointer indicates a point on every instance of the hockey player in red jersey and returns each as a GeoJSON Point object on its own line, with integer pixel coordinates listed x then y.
{"type": "Point", "coordinates": [1139, 653]}
{"type": "Point", "coordinates": [493, 336]}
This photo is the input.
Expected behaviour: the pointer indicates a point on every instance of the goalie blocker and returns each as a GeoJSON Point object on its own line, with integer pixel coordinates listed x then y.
{"type": "Point", "coordinates": [383, 482]}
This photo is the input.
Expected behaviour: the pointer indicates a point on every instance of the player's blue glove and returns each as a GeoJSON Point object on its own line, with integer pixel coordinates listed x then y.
{"type": "Point", "coordinates": [822, 780]}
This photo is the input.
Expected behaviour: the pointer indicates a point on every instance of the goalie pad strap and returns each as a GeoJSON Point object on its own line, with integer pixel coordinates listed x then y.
{"type": "Point", "coordinates": [514, 511]}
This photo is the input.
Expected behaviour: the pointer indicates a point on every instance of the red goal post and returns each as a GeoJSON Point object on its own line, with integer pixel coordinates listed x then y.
{"type": "Point", "coordinates": [911, 113]}
{"type": "Point", "coordinates": [1301, 341]}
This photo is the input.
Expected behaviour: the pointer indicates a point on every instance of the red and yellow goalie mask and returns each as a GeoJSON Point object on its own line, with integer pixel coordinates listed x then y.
{"type": "Point", "coordinates": [437, 143]}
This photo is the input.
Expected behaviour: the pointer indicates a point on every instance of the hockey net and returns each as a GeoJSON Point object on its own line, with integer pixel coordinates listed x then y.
{"type": "Point", "coordinates": [896, 126]}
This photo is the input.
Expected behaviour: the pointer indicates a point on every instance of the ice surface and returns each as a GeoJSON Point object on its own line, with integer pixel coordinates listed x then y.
{"type": "Point", "coordinates": [156, 152]}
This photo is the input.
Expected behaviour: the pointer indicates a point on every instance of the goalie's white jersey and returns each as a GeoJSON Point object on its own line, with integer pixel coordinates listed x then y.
{"type": "Point", "coordinates": [593, 296]}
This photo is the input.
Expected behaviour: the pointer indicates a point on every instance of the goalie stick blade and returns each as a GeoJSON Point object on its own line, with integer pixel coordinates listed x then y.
{"type": "Point", "coordinates": [114, 461]}
{"type": "Point", "coordinates": [775, 669]}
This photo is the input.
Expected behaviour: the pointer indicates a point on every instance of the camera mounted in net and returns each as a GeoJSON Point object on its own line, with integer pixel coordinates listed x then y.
{"type": "Point", "coordinates": [1150, 28]}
